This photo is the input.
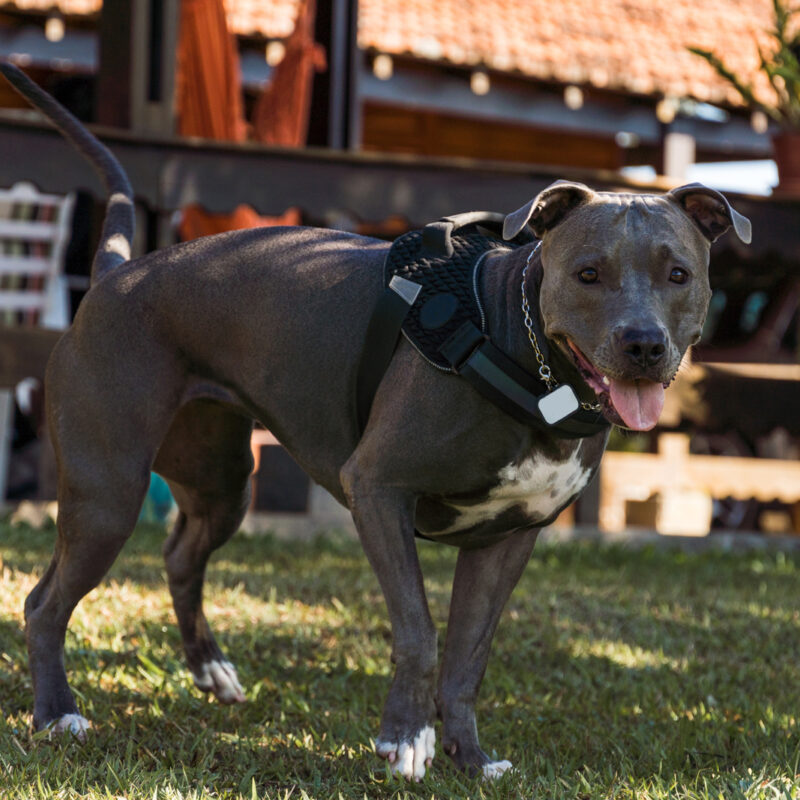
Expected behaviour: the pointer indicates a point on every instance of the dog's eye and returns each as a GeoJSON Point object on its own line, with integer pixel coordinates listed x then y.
{"type": "Point", "coordinates": [678, 275]}
{"type": "Point", "coordinates": [588, 275]}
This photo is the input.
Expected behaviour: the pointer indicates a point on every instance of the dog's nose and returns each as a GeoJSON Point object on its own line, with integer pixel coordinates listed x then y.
{"type": "Point", "coordinates": [645, 348]}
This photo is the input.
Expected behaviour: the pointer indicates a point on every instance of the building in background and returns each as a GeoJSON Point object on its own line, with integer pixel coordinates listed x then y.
{"type": "Point", "coordinates": [381, 115]}
{"type": "Point", "coordinates": [590, 85]}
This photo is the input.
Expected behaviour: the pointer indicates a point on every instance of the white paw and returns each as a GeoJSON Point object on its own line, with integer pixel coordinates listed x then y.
{"type": "Point", "coordinates": [494, 769]}
{"type": "Point", "coordinates": [70, 723]}
{"type": "Point", "coordinates": [410, 759]}
{"type": "Point", "coordinates": [220, 678]}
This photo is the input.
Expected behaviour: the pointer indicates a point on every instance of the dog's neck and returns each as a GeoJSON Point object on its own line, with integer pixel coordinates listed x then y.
{"type": "Point", "coordinates": [501, 293]}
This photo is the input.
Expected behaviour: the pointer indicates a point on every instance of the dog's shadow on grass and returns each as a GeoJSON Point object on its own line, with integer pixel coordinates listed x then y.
{"type": "Point", "coordinates": [308, 711]}
{"type": "Point", "coordinates": [307, 714]}
{"type": "Point", "coordinates": [589, 712]}
{"type": "Point", "coordinates": [595, 683]}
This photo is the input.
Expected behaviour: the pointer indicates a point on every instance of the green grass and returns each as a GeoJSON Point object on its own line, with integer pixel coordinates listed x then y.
{"type": "Point", "coordinates": [615, 674]}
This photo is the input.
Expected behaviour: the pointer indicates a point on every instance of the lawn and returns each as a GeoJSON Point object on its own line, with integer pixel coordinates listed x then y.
{"type": "Point", "coordinates": [615, 673]}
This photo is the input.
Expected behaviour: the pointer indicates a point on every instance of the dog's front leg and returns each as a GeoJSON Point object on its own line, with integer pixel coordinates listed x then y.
{"type": "Point", "coordinates": [483, 582]}
{"type": "Point", "coordinates": [384, 519]}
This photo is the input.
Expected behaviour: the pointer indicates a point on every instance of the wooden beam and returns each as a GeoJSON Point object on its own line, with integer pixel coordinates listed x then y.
{"type": "Point", "coordinates": [167, 174]}
{"type": "Point", "coordinates": [397, 129]}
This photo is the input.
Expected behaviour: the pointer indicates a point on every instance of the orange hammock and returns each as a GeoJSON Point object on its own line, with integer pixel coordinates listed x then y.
{"type": "Point", "coordinates": [209, 99]}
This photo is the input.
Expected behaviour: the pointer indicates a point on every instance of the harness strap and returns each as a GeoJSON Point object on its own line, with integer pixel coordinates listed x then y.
{"type": "Point", "coordinates": [472, 355]}
{"type": "Point", "coordinates": [437, 236]}
{"type": "Point", "coordinates": [383, 333]}
{"type": "Point", "coordinates": [503, 382]}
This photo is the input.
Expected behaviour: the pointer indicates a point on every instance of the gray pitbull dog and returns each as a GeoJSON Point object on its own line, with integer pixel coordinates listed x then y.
{"type": "Point", "coordinates": [173, 355]}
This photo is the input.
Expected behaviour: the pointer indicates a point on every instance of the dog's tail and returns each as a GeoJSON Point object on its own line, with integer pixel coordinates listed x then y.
{"type": "Point", "coordinates": [119, 222]}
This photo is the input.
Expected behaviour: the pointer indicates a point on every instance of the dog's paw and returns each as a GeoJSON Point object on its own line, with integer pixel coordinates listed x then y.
{"type": "Point", "coordinates": [494, 769]}
{"type": "Point", "coordinates": [220, 678]}
{"type": "Point", "coordinates": [410, 758]}
{"type": "Point", "coordinates": [70, 723]}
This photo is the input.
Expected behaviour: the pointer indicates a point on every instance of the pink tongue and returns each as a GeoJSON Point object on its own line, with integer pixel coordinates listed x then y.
{"type": "Point", "coordinates": [638, 403]}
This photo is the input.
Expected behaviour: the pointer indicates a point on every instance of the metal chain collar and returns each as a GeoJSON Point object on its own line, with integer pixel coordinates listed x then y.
{"type": "Point", "coordinates": [545, 373]}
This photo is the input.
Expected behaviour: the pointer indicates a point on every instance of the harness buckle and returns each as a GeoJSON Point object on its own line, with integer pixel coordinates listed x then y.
{"type": "Point", "coordinates": [458, 348]}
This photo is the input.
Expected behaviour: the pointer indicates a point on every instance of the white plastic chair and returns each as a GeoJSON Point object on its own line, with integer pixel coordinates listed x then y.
{"type": "Point", "coordinates": [34, 232]}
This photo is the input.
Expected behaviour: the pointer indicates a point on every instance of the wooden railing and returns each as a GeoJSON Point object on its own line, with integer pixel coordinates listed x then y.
{"type": "Point", "coordinates": [681, 485]}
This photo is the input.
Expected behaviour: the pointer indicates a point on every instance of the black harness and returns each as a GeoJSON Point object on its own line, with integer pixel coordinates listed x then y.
{"type": "Point", "coordinates": [432, 296]}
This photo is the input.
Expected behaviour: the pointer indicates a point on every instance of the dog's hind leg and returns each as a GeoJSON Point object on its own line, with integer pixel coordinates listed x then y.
{"type": "Point", "coordinates": [93, 525]}
{"type": "Point", "coordinates": [483, 583]}
{"type": "Point", "coordinates": [104, 469]}
{"type": "Point", "coordinates": [207, 461]}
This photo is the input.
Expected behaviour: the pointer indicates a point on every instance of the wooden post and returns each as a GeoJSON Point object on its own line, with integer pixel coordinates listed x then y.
{"type": "Point", "coordinates": [114, 82]}
{"type": "Point", "coordinates": [6, 434]}
{"type": "Point", "coordinates": [335, 117]}
{"type": "Point", "coordinates": [587, 506]}
{"type": "Point", "coordinates": [136, 78]}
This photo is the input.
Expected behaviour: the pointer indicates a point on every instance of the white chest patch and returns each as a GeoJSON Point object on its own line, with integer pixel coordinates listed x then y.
{"type": "Point", "coordinates": [538, 485]}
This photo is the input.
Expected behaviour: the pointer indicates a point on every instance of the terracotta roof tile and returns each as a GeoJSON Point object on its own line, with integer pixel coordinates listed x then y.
{"type": "Point", "coordinates": [633, 45]}
{"type": "Point", "coordinates": [630, 45]}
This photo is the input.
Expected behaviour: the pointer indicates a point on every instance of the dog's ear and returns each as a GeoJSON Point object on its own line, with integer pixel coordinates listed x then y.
{"type": "Point", "coordinates": [547, 209]}
{"type": "Point", "coordinates": [711, 212]}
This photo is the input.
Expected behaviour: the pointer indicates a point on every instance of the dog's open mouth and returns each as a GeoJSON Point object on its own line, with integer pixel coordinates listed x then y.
{"type": "Point", "coordinates": [634, 404]}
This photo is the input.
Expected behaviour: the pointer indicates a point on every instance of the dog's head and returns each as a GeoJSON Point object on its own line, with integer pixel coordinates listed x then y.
{"type": "Point", "coordinates": [624, 288]}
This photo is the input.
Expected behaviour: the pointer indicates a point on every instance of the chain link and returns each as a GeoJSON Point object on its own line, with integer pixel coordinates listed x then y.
{"type": "Point", "coordinates": [545, 373]}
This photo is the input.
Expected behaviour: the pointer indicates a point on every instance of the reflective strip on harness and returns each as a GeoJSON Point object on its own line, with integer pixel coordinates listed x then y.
{"type": "Point", "coordinates": [507, 385]}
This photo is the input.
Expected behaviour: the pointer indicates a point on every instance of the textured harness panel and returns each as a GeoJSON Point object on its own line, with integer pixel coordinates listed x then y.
{"type": "Point", "coordinates": [449, 294]}
{"type": "Point", "coordinates": [432, 297]}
